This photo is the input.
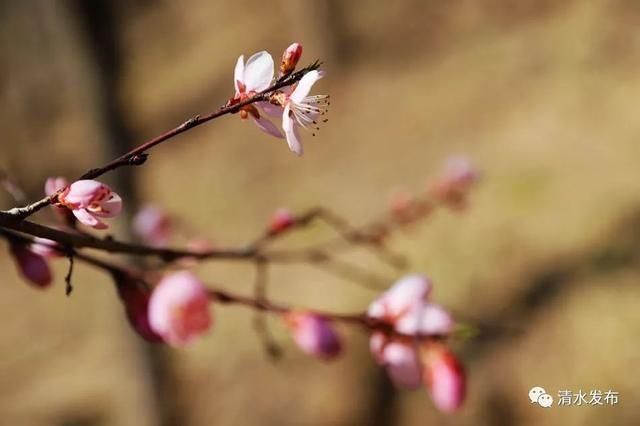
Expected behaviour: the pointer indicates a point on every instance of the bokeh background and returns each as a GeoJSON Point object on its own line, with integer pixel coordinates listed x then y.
{"type": "Point", "coordinates": [542, 94]}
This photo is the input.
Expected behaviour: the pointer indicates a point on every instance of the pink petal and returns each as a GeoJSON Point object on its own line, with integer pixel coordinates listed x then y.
{"type": "Point", "coordinates": [45, 247]}
{"type": "Point", "coordinates": [291, 132]}
{"type": "Point", "coordinates": [88, 219]}
{"type": "Point", "coordinates": [270, 109]}
{"type": "Point", "coordinates": [445, 378]}
{"type": "Point", "coordinates": [268, 127]}
{"type": "Point", "coordinates": [258, 72]}
{"type": "Point", "coordinates": [83, 192]}
{"type": "Point", "coordinates": [304, 86]}
{"type": "Point", "coordinates": [402, 297]}
{"type": "Point", "coordinates": [153, 226]}
{"type": "Point", "coordinates": [403, 365]}
{"type": "Point", "coordinates": [428, 319]}
{"type": "Point", "coordinates": [238, 73]}
{"type": "Point", "coordinates": [111, 207]}
{"type": "Point", "coordinates": [179, 308]}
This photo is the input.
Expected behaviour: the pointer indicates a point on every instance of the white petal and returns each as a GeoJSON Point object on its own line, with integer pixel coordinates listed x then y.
{"type": "Point", "coordinates": [238, 73]}
{"type": "Point", "coordinates": [268, 127]}
{"type": "Point", "coordinates": [270, 109]}
{"type": "Point", "coordinates": [304, 86]}
{"type": "Point", "coordinates": [258, 71]}
{"type": "Point", "coordinates": [291, 131]}
{"type": "Point", "coordinates": [88, 219]}
{"type": "Point", "coordinates": [429, 319]}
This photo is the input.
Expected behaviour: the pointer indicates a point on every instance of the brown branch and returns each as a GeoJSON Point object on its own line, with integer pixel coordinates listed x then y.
{"type": "Point", "coordinates": [138, 155]}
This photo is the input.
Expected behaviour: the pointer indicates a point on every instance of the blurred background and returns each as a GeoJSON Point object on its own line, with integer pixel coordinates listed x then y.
{"type": "Point", "coordinates": [541, 94]}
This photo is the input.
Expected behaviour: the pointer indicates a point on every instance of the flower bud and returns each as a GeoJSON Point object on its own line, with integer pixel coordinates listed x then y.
{"type": "Point", "coordinates": [290, 58]}
{"type": "Point", "coordinates": [400, 360]}
{"type": "Point", "coordinates": [33, 267]}
{"type": "Point", "coordinates": [179, 308]}
{"type": "Point", "coordinates": [314, 334]}
{"type": "Point", "coordinates": [444, 376]}
{"type": "Point", "coordinates": [281, 220]}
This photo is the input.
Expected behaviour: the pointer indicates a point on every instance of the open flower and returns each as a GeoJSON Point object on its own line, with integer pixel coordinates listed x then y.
{"type": "Point", "coordinates": [314, 334]}
{"type": "Point", "coordinates": [179, 308]}
{"type": "Point", "coordinates": [301, 110]}
{"type": "Point", "coordinates": [250, 78]}
{"type": "Point", "coordinates": [90, 200]}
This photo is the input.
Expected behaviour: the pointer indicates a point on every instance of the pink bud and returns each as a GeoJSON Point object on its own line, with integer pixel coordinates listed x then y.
{"type": "Point", "coordinates": [401, 298]}
{"type": "Point", "coordinates": [314, 334]}
{"type": "Point", "coordinates": [280, 221]}
{"type": "Point", "coordinates": [290, 58]}
{"type": "Point", "coordinates": [136, 304]}
{"type": "Point", "coordinates": [179, 308]}
{"type": "Point", "coordinates": [54, 184]}
{"type": "Point", "coordinates": [153, 226]}
{"type": "Point", "coordinates": [401, 204]}
{"type": "Point", "coordinates": [400, 359]}
{"type": "Point", "coordinates": [90, 200]}
{"type": "Point", "coordinates": [444, 376]}
{"type": "Point", "coordinates": [33, 267]}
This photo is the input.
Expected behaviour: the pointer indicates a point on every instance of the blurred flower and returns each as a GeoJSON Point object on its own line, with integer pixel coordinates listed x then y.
{"type": "Point", "coordinates": [444, 377]}
{"type": "Point", "coordinates": [136, 304]}
{"type": "Point", "coordinates": [452, 186]}
{"type": "Point", "coordinates": [282, 219]}
{"type": "Point", "coordinates": [301, 110]}
{"type": "Point", "coordinates": [196, 245]}
{"type": "Point", "coordinates": [90, 200]}
{"type": "Point", "coordinates": [153, 226]}
{"type": "Point", "coordinates": [314, 334]}
{"type": "Point", "coordinates": [290, 58]}
{"type": "Point", "coordinates": [250, 78]}
{"type": "Point", "coordinates": [32, 266]}
{"type": "Point", "coordinates": [179, 308]}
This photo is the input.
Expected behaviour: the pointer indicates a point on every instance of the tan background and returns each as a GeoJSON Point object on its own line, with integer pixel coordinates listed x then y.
{"type": "Point", "coordinates": [542, 94]}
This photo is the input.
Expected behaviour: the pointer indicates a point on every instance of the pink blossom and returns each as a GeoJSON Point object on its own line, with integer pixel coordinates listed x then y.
{"type": "Point", "coordinates": [136, 304]}
{"type": "Point", "coordinates": [314, 334]}
{"type": "Point", "coordinates": [32, 266]}
{"type": "Point", "coordinates": [153, 226]}
{"type": "Point", "coordinates": [444, 376]}
{"type": "Point", "coordinates": [90, 200]}
{"type": "Point", "coordinates": [282, 219]}
{"type": "Point", "coordinates": [400, 360]}
{"type": "Point", "coordinates": [301, 110]}
{"type": "Point", "coordinates": [290, 58]}
{"type": "Point", "coordinates": [249, 79]}
{"type": "Point", "coordinates": [179, 308]}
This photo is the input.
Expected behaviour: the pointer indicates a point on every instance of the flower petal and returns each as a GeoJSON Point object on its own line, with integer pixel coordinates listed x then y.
{"type": "Point", "coordinates": [258, 72]}
{"type": "Point", "coordinates": [88, 219]}
{"type": "Point", "coordinates": [270, 109]}
{"type": "Point", "coordinates": [268, 127]}
{"type": "Point", "coordinates": [426, 319]}
{"type": "Point", "coordinates": [111, 207]}
{"type": "Point", "coordinates": [291, 131]}
{"type": "Point", "coordinates": [403, 365]}
{"type": "Point", "coordinates": [304, 86]}
{"type": "Point", "coordinates": [238, 73]}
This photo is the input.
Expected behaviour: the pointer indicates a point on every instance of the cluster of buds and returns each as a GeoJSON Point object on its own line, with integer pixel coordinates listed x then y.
{"type": "Point", "coordinates": [293, 104]}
